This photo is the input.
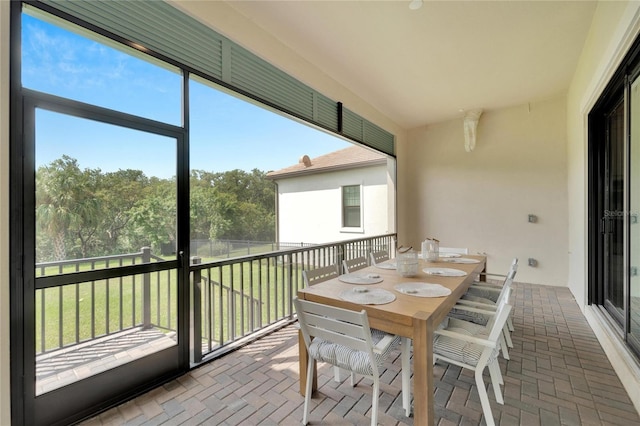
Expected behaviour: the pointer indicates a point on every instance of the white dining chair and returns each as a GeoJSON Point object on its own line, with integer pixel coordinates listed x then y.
{"type": "Point", "coordinates": [491, 292]}
{"type": "Point", "coordinates": [472, 316]}
{"type": "Point", "coordinates": [343, 338]}
{"type": "Point", "coordinates": [356, 264]}
{"type": "Point", "coordinates": [487, 299]}
{"type": "Point", "coordinates": [475, 351]}
{"type": "Point", "coordinates": [378, 256]}
{"type": "Point", "coordinates": [484, 283]}
{"type": "Point", "coordinates": [318, 275]}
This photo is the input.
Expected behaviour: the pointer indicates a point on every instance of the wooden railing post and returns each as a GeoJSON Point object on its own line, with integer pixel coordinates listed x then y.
{"type": "Point", "coordinates": [196, 312]}
{"type": "Point", "coordinates": [146, 290]}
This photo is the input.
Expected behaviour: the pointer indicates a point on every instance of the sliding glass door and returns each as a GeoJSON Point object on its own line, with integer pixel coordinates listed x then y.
{"type": "Point", "coordinates": [613, 218]}
{"type": "Point", "coordinates": [614, 141]}
{"type": "Point", "coordinates": [633, 329]}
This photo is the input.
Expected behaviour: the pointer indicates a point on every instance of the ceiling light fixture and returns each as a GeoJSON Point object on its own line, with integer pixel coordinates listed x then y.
{"type": "Point", "coordinates": [415, 4]}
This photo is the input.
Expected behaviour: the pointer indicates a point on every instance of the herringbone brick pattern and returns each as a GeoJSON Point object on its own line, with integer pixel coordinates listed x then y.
{"type": "Point", "coordinates": [557, 375]}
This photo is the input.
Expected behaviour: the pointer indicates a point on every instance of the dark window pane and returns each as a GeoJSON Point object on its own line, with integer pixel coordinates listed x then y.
{"type": "Point", "coordinates": [351, 206]}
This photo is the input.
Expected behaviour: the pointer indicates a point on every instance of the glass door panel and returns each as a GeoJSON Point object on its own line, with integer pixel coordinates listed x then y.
{"type": "Point", "coordinates": [634, 222]}
{"type": "Point", "coordinates": [106, 270]}
{"type": "Point", "coordinates": [614, 215]}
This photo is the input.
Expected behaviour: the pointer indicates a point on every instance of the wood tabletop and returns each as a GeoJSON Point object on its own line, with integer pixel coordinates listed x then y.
{"type": "Point", "coordinates": [397, 317]}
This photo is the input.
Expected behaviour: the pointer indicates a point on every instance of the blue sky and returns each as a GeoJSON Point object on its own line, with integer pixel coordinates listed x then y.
{"type": "Point", "coordinates": [226, 133]}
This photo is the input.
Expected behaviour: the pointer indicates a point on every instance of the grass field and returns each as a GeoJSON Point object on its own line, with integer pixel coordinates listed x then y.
{"type": "Point", "coordinates": [237, 299]}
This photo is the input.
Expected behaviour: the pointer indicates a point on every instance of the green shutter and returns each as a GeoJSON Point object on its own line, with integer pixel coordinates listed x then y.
{"type": "Point", "coordinates": [162, 28]}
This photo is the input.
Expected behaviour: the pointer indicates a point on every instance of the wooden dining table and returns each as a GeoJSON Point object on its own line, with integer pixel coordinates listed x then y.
{"type": "Point", "coordinates": [407, 316]}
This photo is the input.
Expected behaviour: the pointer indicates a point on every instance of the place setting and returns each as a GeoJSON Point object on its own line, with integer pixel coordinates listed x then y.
{"type": "Point", "coordinates": [444, 272]}
{"type": "Point", "coordinates": [387, 265]}
{"type": "Point", "coordinates": [449, 255]}
{"type": "Point", "coordinates": [367, 296]}
{"type": "Point", "coordinates": [421, 289]}
{"type": "Point", "coordinates": [360, 278]}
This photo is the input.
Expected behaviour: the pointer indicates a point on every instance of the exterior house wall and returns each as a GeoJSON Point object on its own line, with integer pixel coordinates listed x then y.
{"type": "Point", "coordinates": [310, 206]}
{"type": "Point", "coordinates": [482, 199]}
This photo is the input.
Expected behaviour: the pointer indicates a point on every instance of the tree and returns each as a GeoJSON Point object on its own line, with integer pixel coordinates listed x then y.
{"type": "Point", "coordinates": [67, 210]}
{"type": "Point", "coordinates": [154, 215]}
{"type": "Point", "coordinates": [237, 205]}
{"type": "Point", "coordinates": [119, 192]}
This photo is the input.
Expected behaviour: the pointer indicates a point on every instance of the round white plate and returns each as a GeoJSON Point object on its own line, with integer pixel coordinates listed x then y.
{"type": "Point", "coordinates": [360, 278]}
{"type": "Point", "coordinates": [368, 296]}
{"type": "Point", "coordinates": [444, 272]}
{"type": "Point", "coordinates": [387, 265]}
{"type": "Point", "coordinates": [449, 255]}
{"type": "Point", "coordinates": [423, 289]}
{"type": "Point", "coordinates": [462, 260]}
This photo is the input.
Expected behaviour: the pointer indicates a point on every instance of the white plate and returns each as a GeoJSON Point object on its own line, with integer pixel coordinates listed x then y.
{"type": "Point", "coordinates": [462, 260]}
{"type": "Point", "coordinates": [368, 296]}
{"type": "Point", "coordinates": [444, 272]}
{"type": "Point", "coordinates": [387, 265]}
{"type": "Point", "coordinates": [360, 278]}
{"type": "Point", "coordinates": [449, 255]}
{"type": "Point", "coordinates": [423, 289]}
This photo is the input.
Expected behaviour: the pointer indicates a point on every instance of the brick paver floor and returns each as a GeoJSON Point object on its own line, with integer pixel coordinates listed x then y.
{"type": "Point", "coordinates": [558, 374]}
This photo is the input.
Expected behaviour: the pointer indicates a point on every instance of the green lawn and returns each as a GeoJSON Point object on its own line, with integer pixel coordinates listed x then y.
{"type": "Point", "coordinates": [79, 312]}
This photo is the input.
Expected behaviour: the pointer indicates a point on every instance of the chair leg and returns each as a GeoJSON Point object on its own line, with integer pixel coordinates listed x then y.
{"type": "Point", "coordinates": [507, 336]}
{"type": "Point", "coordinates": [503, 347]}
{"type": "Point", "coordinates": [307, 394]}
{"type": "Point", "coordinates": [498, 373]}
{"type": "Point", "coordinates": [510, 324]}
{"type": "Point", "coordinates": [374, 401]}
{"type": "Point", "coordinates": [484, 398]}
{"type": "Point", "coordinates": [406, 375]}
{"type": "Point", "coordinates": [353, 379]}
{"type": "Point", "coordinates": [496, 380]}
{"type": "Point", "coordinates": [337, 377]}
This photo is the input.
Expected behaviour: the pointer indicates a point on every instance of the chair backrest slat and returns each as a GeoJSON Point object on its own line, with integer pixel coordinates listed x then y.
{"type": "Point", "coordinates": [356, 264]}
{"type": "Point", "coordinates": [378, 256]}
{"type": "Point", "coordinates": [318, 275]}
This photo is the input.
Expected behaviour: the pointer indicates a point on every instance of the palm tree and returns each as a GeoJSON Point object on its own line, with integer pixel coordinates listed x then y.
{"type": "Point", "coordinates": [66, 204]}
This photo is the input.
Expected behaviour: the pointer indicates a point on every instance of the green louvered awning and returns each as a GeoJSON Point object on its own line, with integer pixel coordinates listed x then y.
{"type": "Point", "coordinates": [163, 29]}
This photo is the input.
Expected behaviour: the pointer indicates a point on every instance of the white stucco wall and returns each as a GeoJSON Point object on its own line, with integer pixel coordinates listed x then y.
{"type": "Point", "coordinates": [482, 199]}
{"type": "Point", "coordinates": [5, 395]}
{"type": "Point", "coordinates": [615, 26]}
{"type": "Point", "coordinates": [310, 206]}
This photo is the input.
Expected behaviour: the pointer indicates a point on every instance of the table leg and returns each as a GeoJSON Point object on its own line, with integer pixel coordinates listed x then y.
{"type": "Point", "coordinates": [303, 363]}
{"type": "Point", "coordinates": [423, 386]}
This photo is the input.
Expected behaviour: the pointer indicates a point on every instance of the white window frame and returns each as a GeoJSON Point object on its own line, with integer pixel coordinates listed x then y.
{"type": "Point", "coordinates": [352, 229]}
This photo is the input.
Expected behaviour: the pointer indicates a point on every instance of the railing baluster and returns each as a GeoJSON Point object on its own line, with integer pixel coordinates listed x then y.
{"type": "Point", "coordinates": [146, 290]}
{"type": "Point", "coordinates": [60, 318]}
{"type": "Point", "coordinates": [77, 330]}
{"type": "Point", "coordinates": [241, 297]}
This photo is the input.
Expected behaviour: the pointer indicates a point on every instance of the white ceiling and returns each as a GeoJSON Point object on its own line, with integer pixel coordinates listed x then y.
{"type": "Point", "coordinates": [430, 65]}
